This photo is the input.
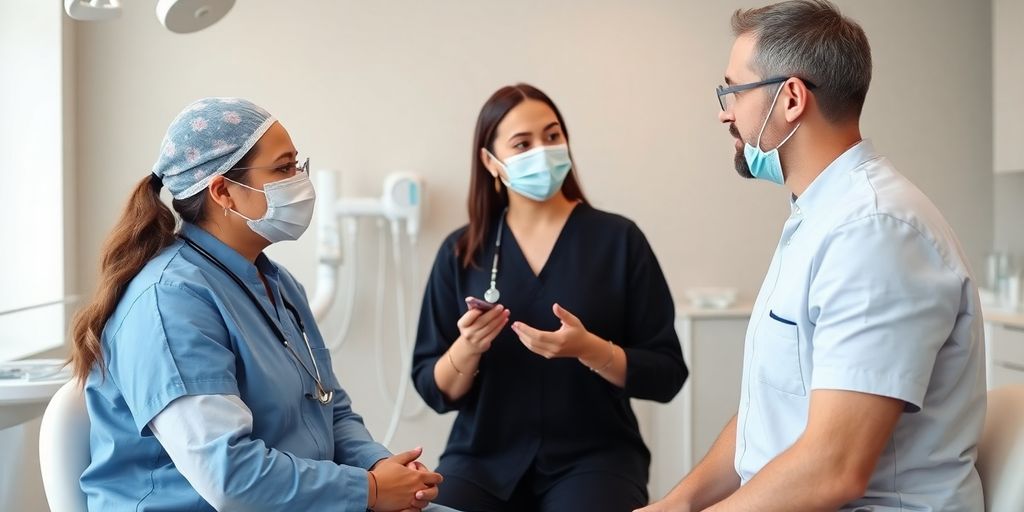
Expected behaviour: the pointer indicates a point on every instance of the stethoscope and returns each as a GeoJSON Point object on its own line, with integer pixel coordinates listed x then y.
{"type": "Point", "coordinates": [324, 395]}
{"type": "Point", "coordinates": [492, 294]}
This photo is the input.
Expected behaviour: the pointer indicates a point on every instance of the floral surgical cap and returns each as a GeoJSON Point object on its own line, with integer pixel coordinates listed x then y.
{"type": "Point", "coordinates": [206, 140]}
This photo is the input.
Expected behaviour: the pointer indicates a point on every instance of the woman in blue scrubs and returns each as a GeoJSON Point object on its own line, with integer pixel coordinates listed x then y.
{"type": "Point", "coordinates": [206, 378]}
{"type": "Point", "coordinates": [570, 318]}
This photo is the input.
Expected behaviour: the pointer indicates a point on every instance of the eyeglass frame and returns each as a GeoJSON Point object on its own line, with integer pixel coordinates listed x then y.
{"type": "Point", "coordinates": [290, 165]}
{"type": "Point", "coordinates": [723, 90]}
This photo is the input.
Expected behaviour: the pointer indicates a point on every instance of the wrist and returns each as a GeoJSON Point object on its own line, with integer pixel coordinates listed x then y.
{"type": "Point", "coordinates": [464, 361]}
{"type": "Point", "coordinates": [599, 355]}
{"type": "Point", "coordinates": [465, 351]}
{"type": "Point", "coordinates": [680, 499]}
{"type": "Point", "coordinates": [594, 351]}
{"type": "Point", "coordinates": [371, 495]}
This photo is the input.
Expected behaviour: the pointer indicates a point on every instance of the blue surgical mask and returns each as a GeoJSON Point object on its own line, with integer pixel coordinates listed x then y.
{"type": "Point", "coordinates": [766, 165]}
{"type": "Point", "coordinates": [537, 174]}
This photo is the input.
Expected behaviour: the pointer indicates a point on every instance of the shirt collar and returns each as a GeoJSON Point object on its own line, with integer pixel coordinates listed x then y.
{"type": "Point", "coordinates": [834, 181]}
{"type": "Point", "coordinates": [228, 256]}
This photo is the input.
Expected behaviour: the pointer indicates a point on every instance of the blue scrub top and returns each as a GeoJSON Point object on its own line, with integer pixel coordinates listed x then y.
{"type": "Point", "coordinates": [183, 327]}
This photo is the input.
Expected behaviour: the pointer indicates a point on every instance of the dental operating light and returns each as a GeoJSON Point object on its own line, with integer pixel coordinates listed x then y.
{"type": "Point", "coordinates": [179, 16]}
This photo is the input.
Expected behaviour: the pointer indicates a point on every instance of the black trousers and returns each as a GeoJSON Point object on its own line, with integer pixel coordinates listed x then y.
{"type": "Point", "coordinates": [588, 491]}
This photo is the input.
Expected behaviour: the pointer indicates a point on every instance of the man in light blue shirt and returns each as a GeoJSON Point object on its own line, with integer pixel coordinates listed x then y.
{"type": "Point", "coordinates": [863, 373]}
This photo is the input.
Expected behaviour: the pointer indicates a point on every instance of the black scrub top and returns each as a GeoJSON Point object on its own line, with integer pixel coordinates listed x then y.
{"type": "Point", "coordinates": [554, 416]}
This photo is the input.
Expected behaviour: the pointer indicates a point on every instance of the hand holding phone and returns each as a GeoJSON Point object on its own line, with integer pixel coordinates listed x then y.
{"type": "Point", "coordinates": [482, 305]}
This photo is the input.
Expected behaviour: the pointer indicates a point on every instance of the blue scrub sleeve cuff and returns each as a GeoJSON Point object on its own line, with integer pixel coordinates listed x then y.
{"type": "Point", "coordinates": [357, 489]}
{"type": "Point", "coordinates": [368, 460]}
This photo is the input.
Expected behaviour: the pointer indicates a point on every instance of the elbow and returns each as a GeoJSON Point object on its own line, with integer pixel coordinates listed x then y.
{"type": "Point", "coordinates": [841, 486]}
{"type": "Point", "coordinates": [842, 490]}
{"type": "Point", "coordinates": [674, 384]}
{"type": "Point", "coordinates": [669, 388]}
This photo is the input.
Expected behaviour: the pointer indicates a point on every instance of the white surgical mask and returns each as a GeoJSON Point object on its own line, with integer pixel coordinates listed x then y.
{"type": "Point", "coordinates": [290, 204]}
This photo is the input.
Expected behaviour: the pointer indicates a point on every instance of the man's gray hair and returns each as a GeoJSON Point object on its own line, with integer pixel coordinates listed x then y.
{"type": "Point", "coordinates": [813, 41]}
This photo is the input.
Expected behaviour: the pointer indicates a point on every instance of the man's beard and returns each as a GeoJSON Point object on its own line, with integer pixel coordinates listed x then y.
{"type": "Point", "coordinates": [740, 161]}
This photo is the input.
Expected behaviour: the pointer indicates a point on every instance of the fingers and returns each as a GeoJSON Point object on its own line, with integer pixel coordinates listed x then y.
{"type": "Point", "coordinates": [533, 339]}
{"type": "Point", "coordinates": [470, 317]}
{"type": "Point", "coordinates": [489, 316]}
{"type": "Point", "coordinates": [528, 335]}
{"type": "Point", "coordinates": [476, 317]}
{"type": "Point", "coordinates": [565, 316]}
{"type": "Point", "coordinates": [425, 496]}
{"type": "Point", "coordinates": [495, 327]}
{"type": "Point", "coordinates": [431, 479]}
{"type": "Point", "coordinates": [405, 458]}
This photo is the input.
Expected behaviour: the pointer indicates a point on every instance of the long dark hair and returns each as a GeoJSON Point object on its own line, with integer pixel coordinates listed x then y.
{"type": "Point", "coordinates": [145, 228]}
{"type": "Point", "coordinates": [486, 203]}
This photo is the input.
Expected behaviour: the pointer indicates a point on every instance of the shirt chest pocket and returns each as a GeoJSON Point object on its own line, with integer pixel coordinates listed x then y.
{"type": "Point", "coordinates": [778, 355]}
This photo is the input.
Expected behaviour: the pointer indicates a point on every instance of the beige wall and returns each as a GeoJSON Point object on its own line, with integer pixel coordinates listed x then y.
{"type": "Point", "coordinates": [1009, 216]}
{"type": "Point", "coordinates": [369, 87]}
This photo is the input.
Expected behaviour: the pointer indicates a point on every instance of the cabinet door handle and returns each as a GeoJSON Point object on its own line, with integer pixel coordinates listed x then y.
{"type": "Point", "coordinates": [1014, 328]}
{"type": "Point", "coordinates": [1011, 366]}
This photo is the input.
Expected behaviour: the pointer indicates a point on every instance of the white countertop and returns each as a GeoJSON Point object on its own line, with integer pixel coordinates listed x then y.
{"type": "Point", "coordinates": [24, 399]}
{"type": "Point", "coordinates": [739, 310]}
{"type": "Point", "coordinates": [1004, 317]}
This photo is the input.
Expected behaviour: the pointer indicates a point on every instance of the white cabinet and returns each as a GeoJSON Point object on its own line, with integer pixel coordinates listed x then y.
{"type": "Point", "coordinates": [1008, 82]}
{"type": "Point", "coordinates": [1006, 354]}
{"type": "Point", "coordinates": [680, 433]}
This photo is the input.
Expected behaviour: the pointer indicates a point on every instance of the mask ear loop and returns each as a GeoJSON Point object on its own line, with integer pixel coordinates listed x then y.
{"type": "Point", "coordinates": [232, 210]}
{"type": "Point", "coordinates": [497, 178]}
{"type": "Point", "coordinates": [499, 162]}
{"type": "Point", "coordinates": [765, 123]}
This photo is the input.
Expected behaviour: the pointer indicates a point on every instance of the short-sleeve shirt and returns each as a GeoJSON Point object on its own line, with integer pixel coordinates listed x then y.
{"type": "Point", "coordinates": [870, 291]}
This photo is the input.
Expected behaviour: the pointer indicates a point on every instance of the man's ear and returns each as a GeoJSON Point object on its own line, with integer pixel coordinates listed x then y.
{"type": "Point", "coordinates": [795, 99]}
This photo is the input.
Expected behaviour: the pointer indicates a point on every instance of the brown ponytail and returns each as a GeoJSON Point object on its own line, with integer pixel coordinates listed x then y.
{"type": "Point", "coordinates": [146, 226]}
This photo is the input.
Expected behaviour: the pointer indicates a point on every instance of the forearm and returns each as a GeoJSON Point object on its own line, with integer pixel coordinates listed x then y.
{"type": "Point", "coordinates": [353, 444]}
{"type": "Point", "coordinates": [798, 480]}
{"type": "Point", "coordinates": [605, 359]}
{"type": "Point", "coordinates": [208, 437]}
{"type": "Point", "coordinates": [714, 478]}
{"type": "Point", "coordinates": [455, 371]}
{"type": "Point", "coordinates": [831, 463]}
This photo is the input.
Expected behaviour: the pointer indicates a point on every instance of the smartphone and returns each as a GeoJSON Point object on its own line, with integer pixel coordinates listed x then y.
{"type": "Point", "coordinates": [482, 305]}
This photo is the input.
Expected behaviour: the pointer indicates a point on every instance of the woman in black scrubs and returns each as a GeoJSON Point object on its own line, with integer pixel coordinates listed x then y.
{"type": "Point", "coordinates": [544, 418]}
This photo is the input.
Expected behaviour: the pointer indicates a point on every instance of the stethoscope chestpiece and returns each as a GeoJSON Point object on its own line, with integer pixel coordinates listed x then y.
{"type": "Point", "coordinates": [325, 397]}
{"type": "Point", "coordinates": [492, 294]}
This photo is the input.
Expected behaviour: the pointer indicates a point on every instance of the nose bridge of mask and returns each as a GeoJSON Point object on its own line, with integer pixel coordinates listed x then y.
{"type": "Point", "coordinates": [546, 154]}
{"type": "Point", "coordinates": [290, 190]}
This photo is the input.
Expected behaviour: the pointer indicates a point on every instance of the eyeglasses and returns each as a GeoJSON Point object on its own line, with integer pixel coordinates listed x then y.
{"type": "Point", "coordinates": [727, 95]}
{"type": "Point", "coordinates": [288, 167]}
